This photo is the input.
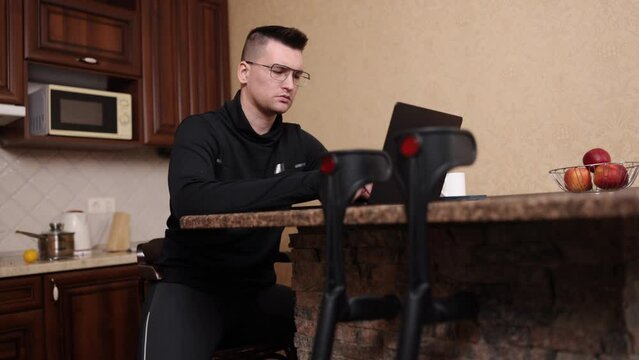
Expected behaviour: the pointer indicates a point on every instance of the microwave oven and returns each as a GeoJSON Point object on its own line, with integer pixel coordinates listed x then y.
{"type": "Point", "coordinates": [73, 111]}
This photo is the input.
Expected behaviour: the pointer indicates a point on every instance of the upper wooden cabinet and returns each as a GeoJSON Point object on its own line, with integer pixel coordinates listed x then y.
{"type": "Point", "coordinates": [208, 54]}
{"type": "Point", "coordinates": [97, 35]}
{"type": "Point", "coordinates": [185, 63]}
{"type": "Point", "coordinates": [11, 61]}
{"type": "Point", "coordinates": [170, 55]}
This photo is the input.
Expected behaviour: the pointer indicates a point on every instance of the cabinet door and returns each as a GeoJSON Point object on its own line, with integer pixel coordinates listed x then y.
{"type": "Point", "coordinates": [83, 34]}
{"type": "Point", "coordinates": [21, 332]}
{"type": "Point", "coordinates": [208, 54]}
{"type": "Point", "coordinates": [92, 314]}
{"type": "Point", "coordinates": [21, 336]}
{"type": "Point", "coordinates": [165, 69]}
{"type": "Point", "coordinates": [11, 63]}
{"type": "Point", "coordinates": [185, 57]}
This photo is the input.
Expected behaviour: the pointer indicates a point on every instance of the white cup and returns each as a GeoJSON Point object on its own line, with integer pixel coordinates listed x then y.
{"type": "Point", "coordinates": [454, 184]}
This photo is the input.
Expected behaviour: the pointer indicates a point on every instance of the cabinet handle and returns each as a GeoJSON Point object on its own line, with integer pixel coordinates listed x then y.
{"type": "Point", "coordinates": [56, 292]}
{"type": "Point", "coordinates": [88, 60]}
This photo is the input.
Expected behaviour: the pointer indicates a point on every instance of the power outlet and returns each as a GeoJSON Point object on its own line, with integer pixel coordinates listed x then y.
{"type": "Point", "coordinates": [100, 205]}
{"type": "Point", "coordinates": [109, 205]}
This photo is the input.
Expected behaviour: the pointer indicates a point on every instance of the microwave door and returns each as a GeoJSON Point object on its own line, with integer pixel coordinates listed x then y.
{"type": "Point", "coordinates": [79, 114]}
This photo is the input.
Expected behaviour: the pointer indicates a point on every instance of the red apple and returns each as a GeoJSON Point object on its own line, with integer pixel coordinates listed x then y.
{"type": "Point", "coordinates": [611, 176]}
{"type": "Point", "coordinates": [577, 179]}
{"type": "Point", "coordinates": [595, 156]}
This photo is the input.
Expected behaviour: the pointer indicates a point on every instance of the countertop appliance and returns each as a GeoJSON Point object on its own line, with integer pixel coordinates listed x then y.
{"type": "Point", "coordinates": [80, 112]}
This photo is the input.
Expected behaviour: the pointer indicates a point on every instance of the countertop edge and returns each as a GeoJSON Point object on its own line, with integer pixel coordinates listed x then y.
{"type": "Point", "coordinates": [525, 207]}
{"type": "Point", "coordinates": [14, 266]}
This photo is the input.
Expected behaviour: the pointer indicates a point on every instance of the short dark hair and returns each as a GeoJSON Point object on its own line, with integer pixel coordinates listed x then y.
{"type": "Point", "coordinates": [288, 36]}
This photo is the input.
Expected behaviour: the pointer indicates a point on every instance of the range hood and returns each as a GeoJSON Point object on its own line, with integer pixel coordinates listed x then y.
{"type": "Point", "coordinates": [10, 113]}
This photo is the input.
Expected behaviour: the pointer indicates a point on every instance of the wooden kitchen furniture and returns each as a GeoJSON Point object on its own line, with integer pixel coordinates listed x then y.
{"type": "Point", "coordinates": [85, 313]}
{"type": "Point", "coordinates": [556, 274]}
{"type": "Point", "coordinates": [185, 63]}
{"type": "Point", "coordinates": [170, 55]}
{"type": "Point", "coordinates": [12, 90]}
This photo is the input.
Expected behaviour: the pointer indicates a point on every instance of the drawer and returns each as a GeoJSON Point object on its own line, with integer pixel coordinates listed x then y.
{"type": "Point", "coordinates": [20, 293]}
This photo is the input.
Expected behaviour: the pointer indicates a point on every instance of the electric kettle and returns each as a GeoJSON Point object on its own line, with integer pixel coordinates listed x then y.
{"type": "Point", "coordinates": [76, 221]}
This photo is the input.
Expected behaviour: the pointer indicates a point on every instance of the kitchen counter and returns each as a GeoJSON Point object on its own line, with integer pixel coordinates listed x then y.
{"type": "Point", "coordinates": [527, 207]}
{"type": "Point", "coordinates": [11, 264]}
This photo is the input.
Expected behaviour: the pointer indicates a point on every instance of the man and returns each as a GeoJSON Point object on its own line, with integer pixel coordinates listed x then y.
{"type": "Point", "coordinates": [219, 285]}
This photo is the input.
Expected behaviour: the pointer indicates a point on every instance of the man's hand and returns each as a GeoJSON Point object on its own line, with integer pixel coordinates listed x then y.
{"type": "Point", "coordinates": [363, 194]}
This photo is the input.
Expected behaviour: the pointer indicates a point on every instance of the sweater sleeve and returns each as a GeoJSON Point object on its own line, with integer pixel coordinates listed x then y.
{"type": "Point", "coordinates": [195, 189]}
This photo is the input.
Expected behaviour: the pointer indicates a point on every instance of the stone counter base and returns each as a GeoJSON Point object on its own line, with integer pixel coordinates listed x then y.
{"type": "Point", "coordinates": [563, 289]}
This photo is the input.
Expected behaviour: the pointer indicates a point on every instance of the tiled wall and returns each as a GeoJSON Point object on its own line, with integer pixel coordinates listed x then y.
{"type": "Point", "coordinates": [38, 185]}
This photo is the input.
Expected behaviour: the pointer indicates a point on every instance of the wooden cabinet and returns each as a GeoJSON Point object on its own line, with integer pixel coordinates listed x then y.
{"type": "Point", "coordinates": [21, 336]}
{"type": "Point", "coordinates": [165, 69]}
{"type": "Point", "coordinates": [185, 63]}
{"type": "Point", "coordinates": [208, 54]}
{"type": "Point", "coordinates": [84, 34]}
{"type": "Point", "coordinates": [11, 61]}
{"type": "Point", "coordinates": [170, 55]}
{"type": "Point", "coordinates": [91, 44]}
{"type": "Point", "coordinates": [92, 314]}
{"type": "Point", "coordinates": [21, 332]}
{"type": "Point", "coordinates": [85, 314]}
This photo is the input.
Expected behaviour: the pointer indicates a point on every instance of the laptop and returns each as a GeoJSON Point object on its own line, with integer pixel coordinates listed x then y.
{"type": "Point", "coordinates": [405, 117]}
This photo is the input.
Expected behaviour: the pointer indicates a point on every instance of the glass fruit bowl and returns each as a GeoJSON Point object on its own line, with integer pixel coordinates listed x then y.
{"type": "Point", "coordinates": [596, 177]}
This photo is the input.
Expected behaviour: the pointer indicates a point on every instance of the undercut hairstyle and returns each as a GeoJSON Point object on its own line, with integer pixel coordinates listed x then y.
{"type": "Point", "coordinates": [258, 37]}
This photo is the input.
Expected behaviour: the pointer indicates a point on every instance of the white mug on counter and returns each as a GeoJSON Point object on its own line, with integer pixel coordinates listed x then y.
{"type": "Point", "coordinates": [76, 221]}
{"type": "Point", "coordinates": [454, 184]}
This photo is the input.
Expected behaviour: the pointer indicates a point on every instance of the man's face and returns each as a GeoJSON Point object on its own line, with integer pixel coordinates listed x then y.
{"type": "Point", "coordinates": [268, 95]}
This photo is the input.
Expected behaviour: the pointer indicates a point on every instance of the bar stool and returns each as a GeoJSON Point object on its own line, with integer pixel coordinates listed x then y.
{"type": "Point", "coordinates": [426, 155]}
{"type": "Point", "coordinates": [147, 256]}
{"type": "Point", "coordinates": [344, 172]}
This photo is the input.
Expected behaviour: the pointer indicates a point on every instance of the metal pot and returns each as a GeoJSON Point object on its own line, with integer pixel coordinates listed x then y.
{"type": "Point", "coordinates": [54, 244]}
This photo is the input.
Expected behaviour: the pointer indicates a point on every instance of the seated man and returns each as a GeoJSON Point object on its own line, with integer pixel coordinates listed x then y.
{"type": "Point", "coordinates": [219, 285]}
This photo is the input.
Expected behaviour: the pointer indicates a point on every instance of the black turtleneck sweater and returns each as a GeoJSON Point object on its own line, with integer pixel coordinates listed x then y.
{"type": "Point", "coordinates": [220, 165]}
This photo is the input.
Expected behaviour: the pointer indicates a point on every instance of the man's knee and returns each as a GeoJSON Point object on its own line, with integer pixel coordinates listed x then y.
{"type": "Point", "coordinates": [180, 323]}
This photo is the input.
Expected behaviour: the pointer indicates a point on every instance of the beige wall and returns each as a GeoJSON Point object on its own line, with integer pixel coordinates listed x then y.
{"type": "Point", "coordinates": [537, 82]}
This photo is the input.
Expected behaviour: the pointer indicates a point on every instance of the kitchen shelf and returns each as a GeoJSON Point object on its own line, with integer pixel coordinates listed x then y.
{"type": "Point", "coordinates": [10, 113]}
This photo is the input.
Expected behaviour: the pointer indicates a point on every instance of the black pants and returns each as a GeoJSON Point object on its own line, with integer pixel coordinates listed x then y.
{"type": "Point", "coordinates": [180, 322]}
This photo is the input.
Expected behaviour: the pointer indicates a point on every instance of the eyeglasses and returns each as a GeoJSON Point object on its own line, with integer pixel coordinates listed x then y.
{"type": "Point", "coordinates": [280, 73]}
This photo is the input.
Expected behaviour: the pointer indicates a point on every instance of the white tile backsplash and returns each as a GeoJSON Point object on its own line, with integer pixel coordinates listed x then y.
{"type": "Point", "coordinates": [36, 186]}
{"type": "Point", "coordinates": [28, 196]}
{"type": "Point", "coordinates": [11, 180]}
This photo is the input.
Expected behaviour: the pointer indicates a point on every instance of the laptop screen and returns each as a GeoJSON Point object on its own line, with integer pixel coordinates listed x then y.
{"type": "Point", "coordinates": [406, 117]}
